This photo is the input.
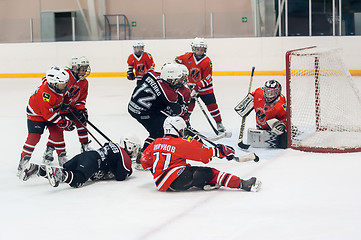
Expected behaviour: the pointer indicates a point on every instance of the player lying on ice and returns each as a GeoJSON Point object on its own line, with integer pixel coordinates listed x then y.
{"type": "Point", "coordinates": [111, 161]}
{"type": "Point", "coordinates": [166, 159]}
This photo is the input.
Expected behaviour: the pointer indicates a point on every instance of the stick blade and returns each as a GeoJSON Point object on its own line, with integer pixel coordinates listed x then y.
{"type": "Point", "coordinates": [242, 145]}
{"type": "Point", "coordinates": [247, 158]}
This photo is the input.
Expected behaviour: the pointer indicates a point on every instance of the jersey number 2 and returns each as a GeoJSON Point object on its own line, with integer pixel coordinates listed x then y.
{"type": "Point", "coordinates": [145, 101]}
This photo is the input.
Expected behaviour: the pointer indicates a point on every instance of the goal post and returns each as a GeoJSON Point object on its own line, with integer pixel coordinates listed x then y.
{"type": "Point", "coordinates": [323, 102]}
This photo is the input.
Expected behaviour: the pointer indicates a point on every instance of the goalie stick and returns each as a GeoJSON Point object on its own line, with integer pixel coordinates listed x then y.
{"type": "Point", "coordinates": [243, 123]}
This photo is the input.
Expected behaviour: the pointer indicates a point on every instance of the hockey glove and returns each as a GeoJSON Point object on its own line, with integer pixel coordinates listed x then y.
{"type": "Point", "coordinates": [277, 127]}
{"type": "Point", "coordinates": [67, 125]}
{"type": "Point", "coordinates": [195, 91]}
{"type": "Point", "coordinates": [130, 76]}
{"type": "Point", "coordinates": [83, 115]}
{"type": "Point", "coordinates": [225, 151]}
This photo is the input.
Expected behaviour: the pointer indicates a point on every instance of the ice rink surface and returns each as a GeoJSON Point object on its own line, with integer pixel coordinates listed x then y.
{"type": "Point", "coordinates": [303, 196]}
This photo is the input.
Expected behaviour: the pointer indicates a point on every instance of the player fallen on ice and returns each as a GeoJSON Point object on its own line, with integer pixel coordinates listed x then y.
{"type": "Point", "coordinates": [166, 158]}
{"type": "Point", "coordinates": [271, 116]}
{"type": "Point", "coordinates": [112, 161]}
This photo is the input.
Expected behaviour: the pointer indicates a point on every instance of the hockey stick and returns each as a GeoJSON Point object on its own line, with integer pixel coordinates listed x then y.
{"type": "Point", "coordinates": [246, 158]}
{"type": "Point", "coordinates": [86, 129]}
{"type": "Point", "coordinates": [91, 124]}
{"type": "Point", "coordinates": [221, 135]}
{"type": "Point", "coordinates": [243, 123]}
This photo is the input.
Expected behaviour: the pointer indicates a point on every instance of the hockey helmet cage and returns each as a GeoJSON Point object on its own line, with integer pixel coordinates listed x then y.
{"type": "Point", "coordinates": [83, 62]}
{"type": "Point", "coordinates": [174, 126]}
{"type": "Point", "coordinates": [55, 77]}
{"type": "Point", "coordinates": [199, 43]}
{"type": "Point", "coordinates": [131, 145]}
{"type": "Point", "coordinates": [272, 90]}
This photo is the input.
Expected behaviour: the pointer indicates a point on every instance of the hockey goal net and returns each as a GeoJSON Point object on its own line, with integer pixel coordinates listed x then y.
{"type": "Point", "coordinates": [323, 102]}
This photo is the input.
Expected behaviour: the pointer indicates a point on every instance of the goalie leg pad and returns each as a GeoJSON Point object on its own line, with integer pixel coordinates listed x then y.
{"type": "Point", "coordinates": [262, 138]}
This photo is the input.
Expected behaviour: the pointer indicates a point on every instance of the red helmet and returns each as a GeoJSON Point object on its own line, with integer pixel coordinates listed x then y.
{"type": "Point", "coordinates": [272, 90]}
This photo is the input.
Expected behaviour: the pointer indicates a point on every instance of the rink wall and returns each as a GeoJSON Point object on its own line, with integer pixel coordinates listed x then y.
{"type": "Point", "coordinates": [230, 56]}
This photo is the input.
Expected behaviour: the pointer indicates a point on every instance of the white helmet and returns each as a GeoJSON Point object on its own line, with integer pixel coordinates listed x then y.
{"type": "Point", "coordinates": [138, 43]}
{"type": "Point", "coordinates": [72, 62]}
{"type": "Point", "coordinates": [174, 126]}
{"type": "Point", "coordinates": [200, 43]}
{"type": "Point", "coordinates": [131, 145]}
{"type": "Point", "coordinates": [175, 74]}
{"type": "Point", "coordinates": [83, 62]}
{"type": "Point", "coordinates": [56, 76]}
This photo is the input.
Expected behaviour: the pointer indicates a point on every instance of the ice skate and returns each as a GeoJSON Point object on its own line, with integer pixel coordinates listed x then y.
{"type": "Point", "coordinates": [29, 170]}
{"type": "Point", "coordinates": [48, 157]}
{"type": "Point", "coordinates": [85, 147]}
{"type": "Point", "coordinates": [62, 158]}
{"type": "Point", "coordinates": [54, 175]}
{"type": "Point", "coordinates": [22, 164]}
{"type": "Point", "coordinates": [250, 185]}
{"type": "Point", "coordinates": [220, 127]}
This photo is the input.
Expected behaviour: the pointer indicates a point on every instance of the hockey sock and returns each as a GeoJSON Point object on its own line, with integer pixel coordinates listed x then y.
{"type": "Point", "coordinates": [82, 134]}
{"type": "Point", "coordinates": [30, 143]}
{"type": "Point", "coordinates": [225, 179]}
{"type": "Point", "coordinates": [56, 139]}
{"type": "Point", "coordinates": [214, 111]}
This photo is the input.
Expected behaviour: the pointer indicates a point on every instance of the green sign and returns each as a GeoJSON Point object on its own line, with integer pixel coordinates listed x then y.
{"type": "Point", "coordinates": [134, 23]}
{"type": "Point", "coordinates": [244, 19]}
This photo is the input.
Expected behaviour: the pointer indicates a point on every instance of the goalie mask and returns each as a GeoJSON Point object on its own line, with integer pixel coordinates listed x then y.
{"type": "Point", "coordinates": [131, 145]}
{"type": "Point", "coordinates": [174, 126]}
{"type": "Point", "coordinates": [175, 74]}
{"type": "Point", "coordinates": [57, 79]}
{"type": "Point", "coordinates": [272, 90]}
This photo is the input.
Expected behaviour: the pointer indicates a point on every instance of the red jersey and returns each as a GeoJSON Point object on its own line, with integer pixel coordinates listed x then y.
{"type": "Point", "coordinates": [44, 105]}
{"type": "Point", "coordinates": [184, 98]}
{"type": "Point", "coordinates": [200, 71]}
{"type": "Point", "coordinates": [141, 64]}
{"type": "Point", "coordinates": [166, 158]}
{"type": "Point", "coordinates": [265, 111]}
{"type": "Point", "coordinates": [77, 93]}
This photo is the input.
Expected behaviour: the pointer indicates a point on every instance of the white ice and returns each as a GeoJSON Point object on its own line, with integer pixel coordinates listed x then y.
{"type": "Point", "coordinates": [303, 196]}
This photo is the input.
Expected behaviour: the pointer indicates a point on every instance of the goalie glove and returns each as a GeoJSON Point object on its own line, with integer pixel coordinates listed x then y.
{"type": "Point", "coordinates": [277, 127]}
{"type": "Point", "coordinates": [224, 151]}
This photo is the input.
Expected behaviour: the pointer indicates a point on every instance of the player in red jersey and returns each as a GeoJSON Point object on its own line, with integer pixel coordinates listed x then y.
{"type": "Point", "coordinates": [139, 61]}
{"type": "Point", "coordinates": [271, 116]}
{"type": "Point", "coordinates": [269, 104]}
{"type": "Point", "coordinates": [43, 111]}
{"type": "Point", "coordinates": [200, 79]}
{"type": "Point", "coordinates": [75, 98]}
{"type": "Point", "coordinates": [166, 158]}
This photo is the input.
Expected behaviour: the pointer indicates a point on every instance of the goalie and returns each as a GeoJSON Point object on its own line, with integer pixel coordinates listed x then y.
{"type": "Point", "coordinates": [270, 108]}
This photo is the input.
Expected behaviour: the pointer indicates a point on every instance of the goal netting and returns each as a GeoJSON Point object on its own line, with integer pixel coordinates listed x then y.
{"type": "Point", "coordinates": [323, 102]}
